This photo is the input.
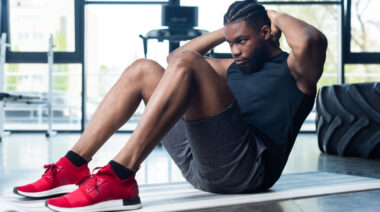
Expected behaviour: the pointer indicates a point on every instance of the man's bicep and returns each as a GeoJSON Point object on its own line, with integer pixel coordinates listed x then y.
{"type": "Point", "coordinates": [220, 65]}
{"type": "Point", "coordinates": [308, 62]}
{"type": "Point", "coordinates": [306, 69]}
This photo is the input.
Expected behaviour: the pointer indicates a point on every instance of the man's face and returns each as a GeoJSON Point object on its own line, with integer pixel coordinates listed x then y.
{"type": "Point", "coordinates": [247, 47]}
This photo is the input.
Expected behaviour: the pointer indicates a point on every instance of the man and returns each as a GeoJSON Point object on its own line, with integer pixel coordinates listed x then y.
{"type": "Point", "coordinates": [229, 124]}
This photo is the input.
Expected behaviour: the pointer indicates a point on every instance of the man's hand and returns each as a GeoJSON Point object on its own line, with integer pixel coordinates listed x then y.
{"type": "Point", "coordinates": [275, 31]}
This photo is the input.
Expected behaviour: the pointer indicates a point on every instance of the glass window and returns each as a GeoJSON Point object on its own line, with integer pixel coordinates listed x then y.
{"type": "Point", "coordinates": [33, 80]}
{"type": "Point", "coordinates": [362, 73]}
{"type": "Point", "coordinates": [365, 26]}
{"type": "Point", "coordinates": [113, 43]}
{"type": "Point", "coordinates": [32, 22]}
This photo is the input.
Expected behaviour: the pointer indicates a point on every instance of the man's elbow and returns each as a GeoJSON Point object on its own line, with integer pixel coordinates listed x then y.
{"type": "Point", "coordinates": [315, 40]}
{"type": "Point", "coordinates": [322, 41]}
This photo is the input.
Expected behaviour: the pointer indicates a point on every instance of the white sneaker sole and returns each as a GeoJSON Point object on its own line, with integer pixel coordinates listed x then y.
{"type": "Point", "coordinates": [111, 205]}
{"type": "Point", "coordinates": [58, 190]}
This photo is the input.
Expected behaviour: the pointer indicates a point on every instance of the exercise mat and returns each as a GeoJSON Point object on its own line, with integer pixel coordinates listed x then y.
{"type": "Point", "coordinates": [181, 196]}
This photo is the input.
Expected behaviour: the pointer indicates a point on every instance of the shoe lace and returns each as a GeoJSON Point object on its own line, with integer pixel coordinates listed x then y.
{"type": "Point", "coordinates": [93, 182]}
{"type": "Point", "coordinates": [51, 171]}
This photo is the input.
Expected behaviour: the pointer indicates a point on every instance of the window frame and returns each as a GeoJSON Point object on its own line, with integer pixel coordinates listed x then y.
{"type": "Point", "coordinates": [356, 57]}
{"type": "Point", "coordinates": [40, 57]}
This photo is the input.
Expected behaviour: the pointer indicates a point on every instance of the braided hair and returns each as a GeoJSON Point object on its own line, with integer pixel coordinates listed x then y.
{"type": "Point", "coordinates": [248, 10]}
{"type": "Point", "coordinates": [252, 12]}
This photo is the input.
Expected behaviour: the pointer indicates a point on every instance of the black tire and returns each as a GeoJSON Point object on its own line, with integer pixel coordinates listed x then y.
{"type": "Point", "coordinates": [348, 120]}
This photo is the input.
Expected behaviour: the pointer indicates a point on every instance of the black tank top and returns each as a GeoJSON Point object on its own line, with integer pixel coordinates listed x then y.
{"type": "Point", "coordinates": [271, 103]}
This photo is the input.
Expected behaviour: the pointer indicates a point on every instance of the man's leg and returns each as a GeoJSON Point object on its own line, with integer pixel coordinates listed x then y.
{"type": "Point", "coordinates": [190, 88]}
{"type": "Point", "coordinates": [136, 83]}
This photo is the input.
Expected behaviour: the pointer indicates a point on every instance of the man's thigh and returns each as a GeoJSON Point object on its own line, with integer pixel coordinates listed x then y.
{"type": "Point", "coordinates": [218, 153]}
{"type": "Point", "coordinates": [209, 92]}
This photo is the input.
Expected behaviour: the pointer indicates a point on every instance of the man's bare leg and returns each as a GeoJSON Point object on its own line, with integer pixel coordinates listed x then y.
{"type": "Point", "coordinates": [189, 88]}
{"type": "Point", "coordinates": [136, 83]}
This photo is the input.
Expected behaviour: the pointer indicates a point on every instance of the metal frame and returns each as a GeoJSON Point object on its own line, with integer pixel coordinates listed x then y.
{"type": "Point", "coordinates": [3, 47]}
{"type": "Point", "coordinates": [50, 56]}
{"type": "Point", "coordinates": [78, 55]}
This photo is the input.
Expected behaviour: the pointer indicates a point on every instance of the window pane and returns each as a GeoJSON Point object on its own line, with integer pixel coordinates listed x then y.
{"type": "Point", "coordinates": [365, 26]}
{"type": "Point", "coordinates": [32, 22]}
{"type": "Point", "coordinates": [33, 80]}
{"type": "Point", "coordinates": [362, 73]}
{"type": "Point", "coordinates": [110, 48]}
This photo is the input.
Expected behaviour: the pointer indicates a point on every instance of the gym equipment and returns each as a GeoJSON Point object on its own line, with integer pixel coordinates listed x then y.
{"type": "Point", "coordinates": [8, 98]}
{"type": "Point", "coordinates": [348, 120]}
{"type": "Point", "coordinates": [3, 46]}
{"type": "Point", "coordinates": [180, 22]}
{"type": "Point", "coordinates": [50, 56]}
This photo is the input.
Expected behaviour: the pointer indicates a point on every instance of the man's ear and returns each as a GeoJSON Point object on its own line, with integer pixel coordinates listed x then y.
{"type": "Point", "coordinates": [265, 32]}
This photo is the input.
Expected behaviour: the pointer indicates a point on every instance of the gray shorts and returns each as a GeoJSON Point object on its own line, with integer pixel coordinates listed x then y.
{"type": "Point", "coordinates": [219, 154]}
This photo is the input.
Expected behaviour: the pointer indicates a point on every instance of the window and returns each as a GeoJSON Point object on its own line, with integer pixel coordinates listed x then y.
{"type": "Point", "coordinates": [32, 22]}
{"type": "Point", "coordinates": [365, 26]}
{"type": "Point", "coordinates": [362, 73]}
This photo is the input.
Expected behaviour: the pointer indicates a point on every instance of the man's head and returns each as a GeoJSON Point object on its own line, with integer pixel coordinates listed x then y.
{"type": "Point", "coordinates": [247, 30]}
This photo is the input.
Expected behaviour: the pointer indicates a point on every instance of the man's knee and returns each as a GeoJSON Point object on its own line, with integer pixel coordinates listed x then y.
{"type": "Point", "coordinates": [142, 68]}
{"type": "Point", "coordinates": [185, 61]}
{"type": "Point", "coordinates": [186, 58]}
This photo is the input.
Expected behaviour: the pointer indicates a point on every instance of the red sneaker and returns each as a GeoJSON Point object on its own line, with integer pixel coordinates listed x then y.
{"type": "Point", "coordinates": [104, 191]}
{"type": "Point", "coordinates": [59, 178]}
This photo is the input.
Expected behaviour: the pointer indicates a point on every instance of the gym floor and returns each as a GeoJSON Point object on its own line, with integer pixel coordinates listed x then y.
{"type": "Point", "coordinates": [22, 157]}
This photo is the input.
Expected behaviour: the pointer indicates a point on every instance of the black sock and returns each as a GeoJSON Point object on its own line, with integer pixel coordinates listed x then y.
{"type": "Point", "coordinates": [76, 159]}
{"type": "Point", "coordinates": [121, 171]}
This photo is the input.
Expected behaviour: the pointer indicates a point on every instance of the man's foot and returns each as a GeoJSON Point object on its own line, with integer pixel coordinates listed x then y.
{"type": "Point", "coordinates": [104, 191]}
{"type": "Point", "coordinates": [59, 178]}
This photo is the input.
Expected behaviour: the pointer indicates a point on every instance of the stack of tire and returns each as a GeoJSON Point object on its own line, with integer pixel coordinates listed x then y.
{"type": "Point", "coordinates": [348, 120]}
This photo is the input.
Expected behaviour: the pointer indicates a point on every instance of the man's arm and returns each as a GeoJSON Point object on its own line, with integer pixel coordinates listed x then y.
{"type": "Point", "coordinates": [308, 46]}
{"type": "Point", "coordinates": [202, 45]}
